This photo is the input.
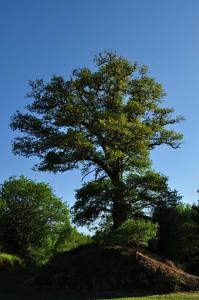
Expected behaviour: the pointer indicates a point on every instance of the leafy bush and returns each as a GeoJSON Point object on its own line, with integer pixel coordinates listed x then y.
{"type": "Point", "coordinates": [134, 233]}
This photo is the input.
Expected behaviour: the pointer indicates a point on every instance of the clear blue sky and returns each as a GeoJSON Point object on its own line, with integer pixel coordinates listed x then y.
{"type": "Point", "coordinates": [44, 37]}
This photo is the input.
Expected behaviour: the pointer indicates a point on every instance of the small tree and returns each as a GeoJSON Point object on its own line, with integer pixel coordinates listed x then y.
{"type": "Point", "coordinates": [135, 233]}
{"type": "Point", "coordinates": [31, 218]}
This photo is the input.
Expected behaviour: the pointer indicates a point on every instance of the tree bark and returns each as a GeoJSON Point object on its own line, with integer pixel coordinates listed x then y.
{"type": "Point", "coordinates": [119, 213]}
{"type": "Point", "coordinates": [119, 209]}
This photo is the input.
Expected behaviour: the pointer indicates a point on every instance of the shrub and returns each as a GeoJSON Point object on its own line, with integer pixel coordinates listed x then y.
{"type": "Point", "coordinates": [134, 233]}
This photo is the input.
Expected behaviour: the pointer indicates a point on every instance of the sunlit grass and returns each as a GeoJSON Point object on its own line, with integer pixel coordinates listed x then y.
{"type": "Point", "coordinates": [176, 296]}
{"type": "Point", "coordinates": [9, 260]}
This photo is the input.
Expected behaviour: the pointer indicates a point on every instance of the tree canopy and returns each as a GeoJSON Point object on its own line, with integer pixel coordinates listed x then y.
{"type": "Point", "coordinates": [32, 218]}
{"type": "Point", "coordinates": [104, 120]}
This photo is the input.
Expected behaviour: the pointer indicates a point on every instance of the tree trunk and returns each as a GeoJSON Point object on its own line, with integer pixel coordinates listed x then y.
{"type": "Point", "coordinates": [24, 247]}
{"type": "Point", "coordinates": [119, 210]}
{"type": "Point", "coordinates": [119, 213]}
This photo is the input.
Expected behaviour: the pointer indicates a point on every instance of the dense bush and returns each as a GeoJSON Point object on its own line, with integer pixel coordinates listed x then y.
{"type": "Point", "coordinates": [179, 234]}
{"type": "Point", "coordinates": [172, 220]}
{"type": "Point", "coordinates": [134, 233]}
{"type": "Point", "coordinates": [190, 248]}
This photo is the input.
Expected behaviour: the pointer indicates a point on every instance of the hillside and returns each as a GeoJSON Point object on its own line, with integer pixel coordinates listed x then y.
{"type": "Point", "coordinates": [114, 271]}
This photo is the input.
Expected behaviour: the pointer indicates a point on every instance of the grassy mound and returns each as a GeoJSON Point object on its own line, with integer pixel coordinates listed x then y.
{"type": "Point", "coordinates": [114, 271]}
{"type": "Point", "coordinates": [8, 261]}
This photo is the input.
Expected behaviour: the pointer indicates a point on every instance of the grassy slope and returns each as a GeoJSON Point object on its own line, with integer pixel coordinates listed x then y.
{"type": "Point", "coordinates": [9, 261]}
{"type": "Point", "coordinates": [177, 296]}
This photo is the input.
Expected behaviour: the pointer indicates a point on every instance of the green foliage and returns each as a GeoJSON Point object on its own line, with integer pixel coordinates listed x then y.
{"type": "Point", "coordinates": [103, 232]}
{"type": "Point", "coordinates": [179, 234]}
{"type": "Point", "coordinates": [94, 201]}
{"type": "Point", "coordinates": [190, 234]}
{"type": "Point", "coordinates": [104, 121]}
{"type": "Point", "coordinates": [173, 221]}
{"type": "Point", "coordinates": [134, 233]}
{"type": "Point", "coordinates": [8, 261]}
{"type": "Point", "coordinates": [32, 218]}
{"type": "Point", "coordinates": [110, 115]}
{"type": "Point", "coordinates": [74, 240]}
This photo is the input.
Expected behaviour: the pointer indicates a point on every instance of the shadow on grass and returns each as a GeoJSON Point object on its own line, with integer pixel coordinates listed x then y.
{"type": "Point", "coordinates": [15, 285]}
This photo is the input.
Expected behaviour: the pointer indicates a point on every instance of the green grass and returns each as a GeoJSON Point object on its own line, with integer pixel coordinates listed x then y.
{"type": "Point", "coordinates": [10, 260]}
{"type": "Point", "coordinates": [176, 296]}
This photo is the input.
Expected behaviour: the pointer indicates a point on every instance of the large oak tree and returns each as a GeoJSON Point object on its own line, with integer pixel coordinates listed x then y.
{"type": "Point", "coordinates": [104, 120]}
